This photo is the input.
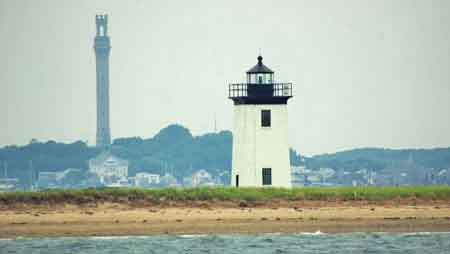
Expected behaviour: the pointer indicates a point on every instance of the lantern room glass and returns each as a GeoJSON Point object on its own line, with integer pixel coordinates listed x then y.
{"type": "Point", "coordinates": [260, 78]}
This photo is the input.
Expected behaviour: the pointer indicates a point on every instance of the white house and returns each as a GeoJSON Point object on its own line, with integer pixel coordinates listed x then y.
{"type": "Point", "coordinates": [143, 179]}
{"type": "Point", "coordinates": [202, 177]}
{"type": "Point", "coordinates": [8, 184]}
{"type": "Point", "coordinates": [109, 168]}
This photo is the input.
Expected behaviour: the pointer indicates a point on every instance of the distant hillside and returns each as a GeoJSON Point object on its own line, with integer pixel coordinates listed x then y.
{"type": "Point", "coordinates": [378, 159]}
{"type": "Point", "coordinates": [24, 162]}
{"type": "Point", "coordinates": [174, 150]}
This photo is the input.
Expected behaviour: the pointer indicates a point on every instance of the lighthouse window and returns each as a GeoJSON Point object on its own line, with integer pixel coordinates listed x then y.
{"type": "Point", "coordinates": [265, 118]}
{"type": "Point", "coordinates": [267, 176]}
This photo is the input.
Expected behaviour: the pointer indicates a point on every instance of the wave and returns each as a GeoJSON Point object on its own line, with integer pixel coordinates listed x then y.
{"type": "Point", "coordinates": [194, 236]}
{"type": "Point", "coordinates": [119, 237]}
{"type": "Point", "coordinates": [424, 233]}
{"type": "Point", "coordinates": [318, 232]}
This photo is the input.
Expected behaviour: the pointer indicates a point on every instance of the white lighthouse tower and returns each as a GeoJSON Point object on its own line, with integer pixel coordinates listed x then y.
{"type": "Point", "coordinates": [260, 132]}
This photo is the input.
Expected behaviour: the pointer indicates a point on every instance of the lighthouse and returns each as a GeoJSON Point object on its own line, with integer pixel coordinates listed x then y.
{"type": "Point", "coordinates": [102, 47]}
{"type": "Point", "coordinates": [260, 129]}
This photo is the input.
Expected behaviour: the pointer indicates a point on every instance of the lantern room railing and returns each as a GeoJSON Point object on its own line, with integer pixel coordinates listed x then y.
{"type": "Point", "coordinates": [242, 90]}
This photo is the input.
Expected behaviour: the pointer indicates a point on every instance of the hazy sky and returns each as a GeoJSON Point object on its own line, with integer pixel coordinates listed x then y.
{"type": "Point", "coordinates": [366, 73]}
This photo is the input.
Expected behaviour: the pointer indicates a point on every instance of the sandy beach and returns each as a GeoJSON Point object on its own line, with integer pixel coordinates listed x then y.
{"type": "Point", "coordinates": [125, 219]}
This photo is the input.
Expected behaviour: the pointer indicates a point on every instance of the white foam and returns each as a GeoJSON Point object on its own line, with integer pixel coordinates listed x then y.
{"type": "Point", "coordinates": [118, 237]}
{"type": "Point", "coordinates": [318, 232]}
{"type": "Point", "coordinates": [193, 236]}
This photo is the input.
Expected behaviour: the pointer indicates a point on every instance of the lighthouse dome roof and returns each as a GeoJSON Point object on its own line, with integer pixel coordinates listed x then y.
{"type": "Point", "coordinates": [259, 67]}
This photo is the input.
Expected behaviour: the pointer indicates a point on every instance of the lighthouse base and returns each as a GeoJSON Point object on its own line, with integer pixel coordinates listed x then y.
{"type": "Point", "coordinates": [260, 146]}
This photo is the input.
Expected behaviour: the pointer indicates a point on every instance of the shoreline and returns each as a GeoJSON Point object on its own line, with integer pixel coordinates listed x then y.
{"type": "Point", "coordinates": [115, 219]}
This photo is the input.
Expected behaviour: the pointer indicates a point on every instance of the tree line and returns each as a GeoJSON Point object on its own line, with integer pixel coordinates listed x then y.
{"type": "Point", "coordinates": [176, 151]}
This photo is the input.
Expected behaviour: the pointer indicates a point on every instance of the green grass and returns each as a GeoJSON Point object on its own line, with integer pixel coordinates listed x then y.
{"type": "Point", "coordinates": [371, 193]}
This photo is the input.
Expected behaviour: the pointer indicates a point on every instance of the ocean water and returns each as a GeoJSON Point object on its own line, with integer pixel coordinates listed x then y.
{"type": "Point", "coordinates": [263, 243]}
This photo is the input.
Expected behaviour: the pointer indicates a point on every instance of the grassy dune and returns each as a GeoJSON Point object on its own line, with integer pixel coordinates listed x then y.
{"type": "Point", "coordinates": [227, 194]}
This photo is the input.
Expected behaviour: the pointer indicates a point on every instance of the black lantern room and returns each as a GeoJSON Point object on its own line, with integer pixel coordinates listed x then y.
{"type": "Point", "coordinates": [260, 87]}
{"type": "Point", "coordinates": [260, 74]}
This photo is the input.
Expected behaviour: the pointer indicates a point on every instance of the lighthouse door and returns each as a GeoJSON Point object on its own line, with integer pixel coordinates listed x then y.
{"type": "Point", "coordinates": [237, 180]}
{"type": "Point", "coordinates": [267, 176]}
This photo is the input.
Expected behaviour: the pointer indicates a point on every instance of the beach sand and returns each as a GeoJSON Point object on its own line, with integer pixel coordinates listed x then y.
{"type": "Point", "coordinates": [110, 219]}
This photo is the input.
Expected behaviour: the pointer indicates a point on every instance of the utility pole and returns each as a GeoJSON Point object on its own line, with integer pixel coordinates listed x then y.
{"type": "Point", "coordinates": [215, 123]}
{"type": "Point", "coordinates": [31, 174]}
{"type": "Point", "coordinates": [5, 167]}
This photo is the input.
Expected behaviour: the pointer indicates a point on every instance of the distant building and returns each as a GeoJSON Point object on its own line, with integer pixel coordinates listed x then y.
{"type": "Point", "coordinates": [169, 180]}
{"type": "Point", "coordinates": [302, 176]}
{"type": "Point", "coordinates": [202, 177]}
{"type": "Point", "coordinates": [326, 172]}
{"type": "Point", "coordinates": [102, 47]}
{"type": "Point", "coordinates": [143, 179]}
{"type": "Point", "coordinates": [298, 175]}
{"type": "Point", "coordinates": [122, 182]}
{"type": "Point", "coordinates": [9, 184]}
{"type": "Point", "coordinates": [49, 180]}
{"type": "Point", "coordinates": [110, 169]}
{"type": "Point", "coordinates": [72, 178]}
{"type": "Point", "coordinates": [69, 178]}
